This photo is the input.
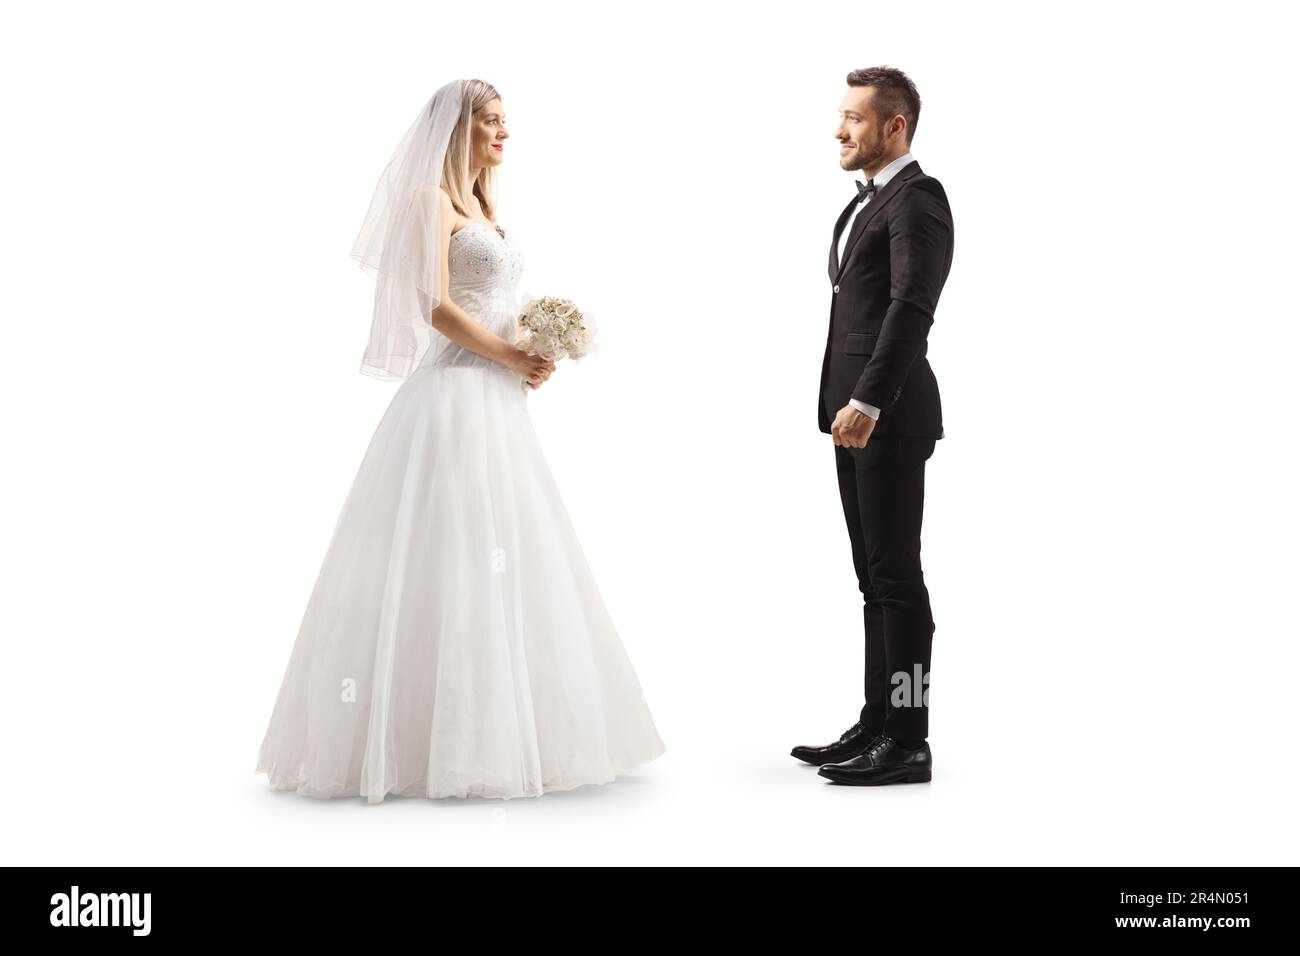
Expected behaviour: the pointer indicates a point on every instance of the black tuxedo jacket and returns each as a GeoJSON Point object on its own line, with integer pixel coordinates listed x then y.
{"type": "Point", "coordinates": [883, 297]}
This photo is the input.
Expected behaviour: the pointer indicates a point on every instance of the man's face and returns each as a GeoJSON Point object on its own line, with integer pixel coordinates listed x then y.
{"type": "Point", "coordinates": [861, 144]}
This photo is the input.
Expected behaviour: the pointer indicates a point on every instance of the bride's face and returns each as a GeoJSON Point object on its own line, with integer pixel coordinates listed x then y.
{"type": "Point", "coordinates": [489, 134]}
{"type": "Point", "coordinates": [861, 144]}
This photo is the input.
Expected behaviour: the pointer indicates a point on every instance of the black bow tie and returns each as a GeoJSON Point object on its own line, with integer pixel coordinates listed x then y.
{"type": "Point", "coordinates": [865, 189]}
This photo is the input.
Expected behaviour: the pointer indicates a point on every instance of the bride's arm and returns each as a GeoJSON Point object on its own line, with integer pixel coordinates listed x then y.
{"type": "Point", "coordinates": [452, 321]}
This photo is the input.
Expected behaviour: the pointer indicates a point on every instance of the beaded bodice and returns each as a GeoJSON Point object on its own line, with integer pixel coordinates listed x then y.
{"type": "Point", "coordinates": [484, 268]}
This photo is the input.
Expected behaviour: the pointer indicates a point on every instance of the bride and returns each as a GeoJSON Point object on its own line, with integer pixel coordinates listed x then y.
{"type": "Point", "coordinates": [455, 643]}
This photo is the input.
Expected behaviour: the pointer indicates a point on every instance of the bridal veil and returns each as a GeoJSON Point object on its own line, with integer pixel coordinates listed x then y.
{"type": "Point", "coordinates": [398, 241]}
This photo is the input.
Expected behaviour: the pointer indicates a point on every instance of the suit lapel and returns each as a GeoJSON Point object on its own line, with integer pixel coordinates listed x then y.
{"type": "Point", "coordinates": [834, 264]}
{"type": "Point", "coordinates": [873, 207]}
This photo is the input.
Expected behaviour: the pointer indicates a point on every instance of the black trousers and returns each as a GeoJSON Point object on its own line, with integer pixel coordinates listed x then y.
{"type": "Point", "coordinates": [882, 487]}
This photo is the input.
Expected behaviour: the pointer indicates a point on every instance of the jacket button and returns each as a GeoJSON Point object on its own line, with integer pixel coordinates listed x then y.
{"type": "Point", "coordinates": [836, 289]}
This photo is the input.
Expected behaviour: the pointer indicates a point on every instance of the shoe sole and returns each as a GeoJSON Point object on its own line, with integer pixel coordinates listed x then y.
{"type": "Point", "coordinates": [823, 761]}
{"type": "Point", "coordinates": [813, 761]}
{"type": "Point", "coordinates": [910, 776]}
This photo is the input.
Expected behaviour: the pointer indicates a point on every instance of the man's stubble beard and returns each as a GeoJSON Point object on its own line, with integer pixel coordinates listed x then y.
{"type": "Point", "coordinates": [871, 157]}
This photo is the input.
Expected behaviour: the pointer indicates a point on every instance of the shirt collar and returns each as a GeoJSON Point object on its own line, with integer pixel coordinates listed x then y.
{"type": "Point", "coordinates": [886, 174]}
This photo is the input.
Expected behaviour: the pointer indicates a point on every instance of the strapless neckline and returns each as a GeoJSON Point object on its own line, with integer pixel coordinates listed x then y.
{"type": "Point", "coordinates": [491, 229]}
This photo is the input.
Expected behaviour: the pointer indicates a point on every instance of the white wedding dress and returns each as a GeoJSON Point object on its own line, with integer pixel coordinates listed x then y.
{"type": "Point", "coordinates": [455, 644]}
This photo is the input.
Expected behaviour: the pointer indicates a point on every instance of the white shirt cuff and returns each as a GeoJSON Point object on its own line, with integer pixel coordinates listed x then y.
{"type": "Point", "coordinates": [869, 410]}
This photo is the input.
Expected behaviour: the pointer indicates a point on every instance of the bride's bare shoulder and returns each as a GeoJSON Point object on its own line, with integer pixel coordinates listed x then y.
{"type": "Point", "coordinates": [448, 210]}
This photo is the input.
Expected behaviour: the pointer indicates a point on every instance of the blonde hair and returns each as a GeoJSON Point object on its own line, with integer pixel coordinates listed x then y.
{"type": "Point", "coordinates": [456, 166]}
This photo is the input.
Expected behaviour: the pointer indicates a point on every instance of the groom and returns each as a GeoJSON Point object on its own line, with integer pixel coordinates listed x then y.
{"type": "Point", "coordinates": [889, 257]}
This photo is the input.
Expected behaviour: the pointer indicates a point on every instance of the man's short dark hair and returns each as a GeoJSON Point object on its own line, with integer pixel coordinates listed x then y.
{"type": "Point", "coordinates": [895, 94]}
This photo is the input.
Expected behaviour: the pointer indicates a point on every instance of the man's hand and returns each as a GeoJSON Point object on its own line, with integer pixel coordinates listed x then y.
{"type": "Point", "coordinates": [851, 428]}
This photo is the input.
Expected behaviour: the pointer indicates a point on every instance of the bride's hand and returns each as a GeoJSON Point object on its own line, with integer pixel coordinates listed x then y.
{"type": "Point", "coordinates": [531, 368]}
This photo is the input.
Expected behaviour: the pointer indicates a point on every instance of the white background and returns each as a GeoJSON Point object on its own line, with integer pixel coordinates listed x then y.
{"type": "Point", "coordinates": [1110, 522]}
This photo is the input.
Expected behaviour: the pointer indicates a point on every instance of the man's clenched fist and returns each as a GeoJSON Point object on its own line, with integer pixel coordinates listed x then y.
{"type": "Point", "coordinates": [851, 428]}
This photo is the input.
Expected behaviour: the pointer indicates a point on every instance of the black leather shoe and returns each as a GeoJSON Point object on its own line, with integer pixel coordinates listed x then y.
{"type": "Point", "coordinates": [883, 762]}
{"type": "Point", "coordinates": [851, 743]}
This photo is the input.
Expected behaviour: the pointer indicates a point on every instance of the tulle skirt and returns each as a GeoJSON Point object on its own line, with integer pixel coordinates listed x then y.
{"type": "Point", "coordinates": [455, 643]}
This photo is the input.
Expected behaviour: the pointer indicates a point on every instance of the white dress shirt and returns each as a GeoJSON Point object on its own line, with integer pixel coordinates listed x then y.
{"type": "Point", "coordinates": [879, 180]}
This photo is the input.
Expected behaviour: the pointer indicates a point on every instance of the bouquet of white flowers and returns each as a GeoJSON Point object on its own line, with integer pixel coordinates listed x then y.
{"type": "Point", "coordinates": [555, 328]}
